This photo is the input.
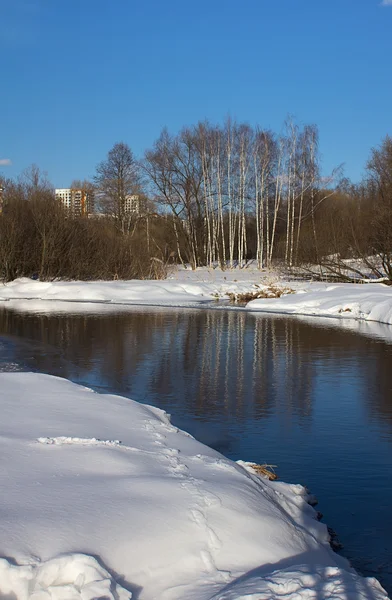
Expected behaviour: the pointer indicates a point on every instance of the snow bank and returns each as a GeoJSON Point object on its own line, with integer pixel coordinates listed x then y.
{"type": "Point", "coordinates": [162, 293]}
{"type": "Point", "coordinates": [120, 292]}
{"type": "Point", "coordinates": [104, 498]}
{"type": "Point", "coordinates": [369, 302]}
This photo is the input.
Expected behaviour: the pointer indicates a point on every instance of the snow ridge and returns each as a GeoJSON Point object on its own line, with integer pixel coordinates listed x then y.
{"type": "Point", "coordinates": [64, 440]}
{"type": "Point", "coordinates": [71, 577]}
{"type": "Point", "coordinates": [303, 583]}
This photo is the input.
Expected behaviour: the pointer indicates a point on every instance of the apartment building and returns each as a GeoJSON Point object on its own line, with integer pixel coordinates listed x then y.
{"type": "Point", "coordinates": [78, 203]}
{"type": "Point", "coordinates": [132, 204]}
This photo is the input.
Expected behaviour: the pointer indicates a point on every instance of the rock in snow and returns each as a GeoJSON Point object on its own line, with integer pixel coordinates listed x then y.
{"type": "Point", "coordinates": [102, 498]}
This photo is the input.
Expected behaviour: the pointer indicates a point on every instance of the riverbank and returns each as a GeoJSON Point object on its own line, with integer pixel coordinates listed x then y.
{"type": "Point", "coordinates": [183, 287]}
{"type": "Point", "coordinates": [106, 498]}
{"type": "Point", "coordinates": [366, 302]}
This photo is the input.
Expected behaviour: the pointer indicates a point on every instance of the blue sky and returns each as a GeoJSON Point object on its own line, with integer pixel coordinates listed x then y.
{"type": "Point", "coordinates": [79, 75]}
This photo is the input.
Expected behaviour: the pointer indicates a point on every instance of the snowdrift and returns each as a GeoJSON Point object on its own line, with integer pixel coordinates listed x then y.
{"type": "Point", "coordinates": [161, 293]}
{"type": "Point", "coordinates": [368, 302]}
{"type": "Point", "coordinates": [104, 498]}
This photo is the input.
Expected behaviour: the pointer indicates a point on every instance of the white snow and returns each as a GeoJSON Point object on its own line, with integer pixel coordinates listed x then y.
{"type": "Point", "coordinates": [368, 302]}
{"type": "Point", "coordinates": [103, 498]}
{"type": "Point", "coordinates": [364, 302]}
{"type": "Point", "coordinates": [164, 292]}
{"type": "Point", "coordinates": [69, 577]}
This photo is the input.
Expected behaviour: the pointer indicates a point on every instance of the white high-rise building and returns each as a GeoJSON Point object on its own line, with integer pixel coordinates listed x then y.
{"type": "Point", "coordinates": [76, 202]}
{"type": "Point", "coordinates": [132, 204]}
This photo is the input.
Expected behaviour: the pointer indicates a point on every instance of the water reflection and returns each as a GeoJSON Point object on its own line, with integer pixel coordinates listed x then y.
{"type": "Point", "coordinates": [220, 362]}
{"type": "Point", "coordinates": [311, 397]}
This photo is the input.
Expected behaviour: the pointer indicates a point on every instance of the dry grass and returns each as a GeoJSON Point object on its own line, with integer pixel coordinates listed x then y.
{"type": "Point", "coordinates": [264, 470]}
{"type": "Point", "coordinates": [272, 291]}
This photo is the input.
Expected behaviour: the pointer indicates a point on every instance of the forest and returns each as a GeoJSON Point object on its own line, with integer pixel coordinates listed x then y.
{"type": "Point", "coordinates": [210, 195]}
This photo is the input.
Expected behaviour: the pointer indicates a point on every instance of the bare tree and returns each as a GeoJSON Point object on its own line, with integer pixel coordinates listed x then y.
{"type": "Point", "coordinates": [117, 179]}
{"type": "Point", "coordinates": [175, 169]}
{"type": "Point", "coordinates": [33, 182]}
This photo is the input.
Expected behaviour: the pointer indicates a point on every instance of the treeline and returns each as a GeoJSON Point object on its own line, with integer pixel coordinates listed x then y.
{"type": "Point", "coordinates": [39, 240]}
{"type": "Point", "coordinates": [212, 194]}
{"type": "Point", "coordinates": [237, 192]}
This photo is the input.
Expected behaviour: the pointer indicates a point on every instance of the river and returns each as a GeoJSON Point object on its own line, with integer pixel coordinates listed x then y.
{"type": "Point", "coordinates": [309, 396]}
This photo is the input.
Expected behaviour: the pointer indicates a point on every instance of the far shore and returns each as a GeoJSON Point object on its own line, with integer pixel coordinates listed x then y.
{"type": "Point", "coordinates": [256, 290]}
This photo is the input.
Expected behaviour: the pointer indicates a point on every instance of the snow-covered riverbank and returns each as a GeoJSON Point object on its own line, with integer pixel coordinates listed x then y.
{"type": "Point", "coordinates": [367, 302]}
{"type": "Point", "coordinates": [166, 292]}
{"type": "Point", "coordinates": [105, 498]}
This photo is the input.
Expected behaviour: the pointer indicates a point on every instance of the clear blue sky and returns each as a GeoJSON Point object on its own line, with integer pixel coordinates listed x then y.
{"type": "Point", "coordinates": [79, 75]}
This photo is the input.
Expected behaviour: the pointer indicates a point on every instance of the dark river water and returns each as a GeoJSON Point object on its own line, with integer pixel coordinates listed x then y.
{"type": "Point", "coordinates": [311, 397]}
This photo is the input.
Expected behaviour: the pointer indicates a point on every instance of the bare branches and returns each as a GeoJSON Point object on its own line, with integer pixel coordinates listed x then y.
{"type": "Point", "coordinates": [224, 195]}
{"type": "Point", "coordinates": [39, 239]}
{"type": "Point", "coordinates": [224, 183]}
{"type": "Point", "coordinates": [117, 179]}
